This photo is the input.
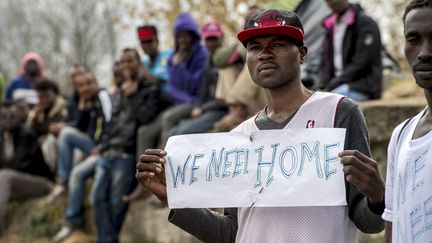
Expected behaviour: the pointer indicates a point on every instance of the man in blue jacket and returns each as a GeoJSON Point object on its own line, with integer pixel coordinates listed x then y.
{"type": "Point", "coordinates": [186, 67]}
{"type": "Point", "coordinates": [156, 65]}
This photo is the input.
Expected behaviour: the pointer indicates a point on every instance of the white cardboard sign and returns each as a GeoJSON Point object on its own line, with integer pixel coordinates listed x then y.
{"type": "Point", "coordinates": [273, 168]}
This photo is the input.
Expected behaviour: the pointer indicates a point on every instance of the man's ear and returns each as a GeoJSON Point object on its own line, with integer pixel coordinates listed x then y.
{"type": "Point", "coordinates": [303, 53]}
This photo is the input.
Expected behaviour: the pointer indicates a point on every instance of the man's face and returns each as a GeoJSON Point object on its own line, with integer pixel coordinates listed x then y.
{"type": "Point", "coordinates": [8, 119]}
{"type": "Point", "coordinates": [23, 110]}
{"type": "Point", "coordinates": [130, 59]}
{"type": "Point", "coordinates": [118, 75]}
{"type": "Point", "coordinates": [87, 87]}
{"type": "Point", "coordinates": [32, 68]}
{"type": "Point", "coordinates": [73, 73]}
{"type": "Point", "coordinates": [338, 6]}
{"type": "Point", "coordinates": [418, 45]}
{"type": "Point", "coordinates": [212, 44]}
{"type": "Point", "coordinates": [150, 47]}
{"type": "Point", "coordinates": [46, 99]}
{"type": "Point", "coordinates": [274, 61]}
{"type": "Point", "coordinates": [184, 40]}
{"type": "Point", "coordinates": [122, 73]}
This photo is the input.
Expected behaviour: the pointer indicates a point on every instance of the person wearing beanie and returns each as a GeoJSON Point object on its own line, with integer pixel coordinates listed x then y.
{"type": "Point", "coordinates": [31, 69]}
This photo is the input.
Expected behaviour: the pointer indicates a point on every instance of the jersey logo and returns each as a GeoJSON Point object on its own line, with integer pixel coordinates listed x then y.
{"type": "Point", "coordinates": [310, 124]}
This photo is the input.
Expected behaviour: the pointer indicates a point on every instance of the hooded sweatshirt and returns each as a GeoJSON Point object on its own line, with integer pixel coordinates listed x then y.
{"type": "Point", "coordinates": [185, 77]}
{"type": "Point", "coordinates": [22, 86]}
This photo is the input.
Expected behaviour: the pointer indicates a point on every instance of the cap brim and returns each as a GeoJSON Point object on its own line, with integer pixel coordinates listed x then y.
{"type": "Point", "coordinates": [211, 34]}
{"type": "Point", "coordinates": [149, 38]}
{"type": "Point", "coordinates": [284, 30]}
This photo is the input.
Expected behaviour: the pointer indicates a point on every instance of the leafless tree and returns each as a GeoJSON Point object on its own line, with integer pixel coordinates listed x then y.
{"type": "Point", "coordinates": [62, 32]}
{"type": "Point", "coordinates": [163, 13]}
{"type": "Point", "coordinates": [389, 14]}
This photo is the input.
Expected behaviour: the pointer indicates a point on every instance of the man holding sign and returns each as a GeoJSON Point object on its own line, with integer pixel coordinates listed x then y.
{"type": "Point", "coordinates": [275, 50]}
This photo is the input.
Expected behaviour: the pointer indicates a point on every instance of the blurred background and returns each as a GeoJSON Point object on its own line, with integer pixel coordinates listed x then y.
{"type": "Point", "coordinates": [93, 32]}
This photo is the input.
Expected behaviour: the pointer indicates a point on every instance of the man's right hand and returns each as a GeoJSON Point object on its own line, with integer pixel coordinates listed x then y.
{"type": "Point", "coordinates": [151, 173]}
{"type": "Point", "coordinates": [95, 151]}
{"type": "Point", "coordinates": [196, 112]}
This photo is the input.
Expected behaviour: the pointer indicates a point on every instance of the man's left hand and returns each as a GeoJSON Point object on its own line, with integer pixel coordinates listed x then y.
{"type": "Point", "coordinates": [129, 87]}
{"type": "Point", "coordinates": [362, 172]}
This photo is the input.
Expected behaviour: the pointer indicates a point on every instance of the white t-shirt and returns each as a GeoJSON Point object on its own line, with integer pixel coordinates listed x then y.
{"type": "Point", "coordinates": [409, 184]}
{"type": "Point", "coordinates": [338, 37]}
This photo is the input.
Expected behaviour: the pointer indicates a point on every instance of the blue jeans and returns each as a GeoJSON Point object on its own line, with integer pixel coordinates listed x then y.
{"type": "Point", "coordinates": [345, 90]}
{"type": "Point", "coordinates": [77, 190]}
{"type": "Point", "coordinates": [114, 178]}
{"type": "Point", "coordinates": [203, 123]}
{"type": "Point", "coordinates": [69, 139]}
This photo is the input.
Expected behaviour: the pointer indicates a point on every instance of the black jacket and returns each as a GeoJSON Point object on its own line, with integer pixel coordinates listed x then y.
{"type": "Point", "coordinates": [207, 90]}
{"type": "Point", "coordinates": [128, 114]}
{"type": "Point", "coordinates": [362, 65]}
{"type": "Point", "coordinates": [28, 156]}
{"type": "Point", "coordinates": [72, 108]}
{"type": "Point", "coordinates": [94, 118]}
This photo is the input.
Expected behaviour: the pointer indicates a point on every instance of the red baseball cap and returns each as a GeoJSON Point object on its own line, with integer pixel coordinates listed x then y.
{"type": "Point", "coordinates": [147, 32]}
{"type": "Point", "coordinates": [211, 29]}
{"type": "Point", "coordinates": [273, 22]}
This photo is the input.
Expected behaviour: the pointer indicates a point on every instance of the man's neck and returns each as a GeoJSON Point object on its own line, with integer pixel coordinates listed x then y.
{"type": "Point", "coordinates": [425, 123]}
{"type": "Point", "coordinates": [284, 101]}
{"type": "Point", "coordinates": [154, 56]}
{"type": "Point", "coordinates": [428, 95]}
{"type": "Point", "coordinates": [30, 78]}
{"type": "Point", "coordinates": [342, 13]}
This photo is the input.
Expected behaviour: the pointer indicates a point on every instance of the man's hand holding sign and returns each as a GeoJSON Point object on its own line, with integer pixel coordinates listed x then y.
{"type": "Point", "coordinates": [151, 173]}
{"type": "Point", "coordinates": [363, 173]}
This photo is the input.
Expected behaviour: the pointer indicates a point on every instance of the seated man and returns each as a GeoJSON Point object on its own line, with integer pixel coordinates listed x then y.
{"type": "Point", "coordinates": [23, 172]}
{"type": "Point", "coordinates": [113, 163]}
{"type": "Point", "coordinates": [92, 115]}
{"type": "Point", "coordinates": [137, 104]}
{"type": "Point", "coordinates": [50, 109]}
{"type": "Point", "coordinates": [156, 63]}
{"type": "Point", "coordinates": [352, 53]}
{"type": "Point", "coordinates": [73, 98]}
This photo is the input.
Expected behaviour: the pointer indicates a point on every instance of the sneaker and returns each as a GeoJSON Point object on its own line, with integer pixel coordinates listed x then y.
{"type": "Point", "coordinates": [58, 191]}
{"type": "Point", "coordinates": [64, 233]}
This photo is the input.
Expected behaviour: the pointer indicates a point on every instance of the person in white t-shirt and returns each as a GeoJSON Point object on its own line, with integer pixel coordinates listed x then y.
{"type": "Point", "coordinates": [408, 198]}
